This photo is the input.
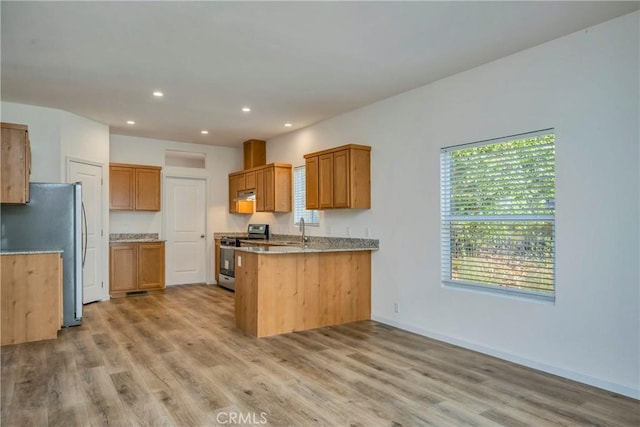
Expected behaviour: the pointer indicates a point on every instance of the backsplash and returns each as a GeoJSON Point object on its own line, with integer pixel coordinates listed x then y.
{"type": "Point", "coordinates": [132, 236]}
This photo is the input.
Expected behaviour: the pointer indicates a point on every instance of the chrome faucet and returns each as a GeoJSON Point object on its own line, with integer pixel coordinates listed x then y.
{"type": "Point", "coordinates": [304, 238]}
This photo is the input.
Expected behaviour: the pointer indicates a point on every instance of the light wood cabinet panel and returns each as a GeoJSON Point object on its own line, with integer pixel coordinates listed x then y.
{"type": "Point", "coordinates": [269, 190]}
{"type": "Point", "coordinates": [272, 184]}
{"type": "Point", "coordinates": [325, 180]}
{"type": "Point", "coordinates": [31, 295]}
{"type": "Point", "coordinates": [123, 271]}
{"type": "Point", "coordinates": [151, 266]}
{"type": "Point", "coordinates": [260, 190]}
{"type": "Point", "coordinates": [339, 178]}
{"type": "Point", "coordinates": [147, 189]}
{"type": "Point", "coordinates": [311, 188]}
{"type": "Point", "coordinates": [134, 187]}
{"type": "Point", "coordinates": [136, 267]}
{"type": "Point", "coordinates": [16, 163]}
{"type": "Point", "coordinates": [277, 294]}
{"type": "Point", "coordinates": [121, 188]}
{"type": "Point", "coordinates": [216, 260]}
{"type": "Point", "coordinates": [255, 153]}
{"type": "Point", "coordinates": [250, 180]}
{"type": "Point", "coordinates": [237, 183]}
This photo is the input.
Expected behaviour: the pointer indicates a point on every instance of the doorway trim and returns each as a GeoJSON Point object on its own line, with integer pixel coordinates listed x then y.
{"type": "Point", "coordinates": [104, 225]}
{"type": "Point", "coordinates": [208, 245]}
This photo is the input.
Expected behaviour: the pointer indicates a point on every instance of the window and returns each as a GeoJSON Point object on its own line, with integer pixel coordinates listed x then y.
{"type": "Point", "coordinates": [299, 199]}
{"type": "Point", "coordinates": [498, 214]}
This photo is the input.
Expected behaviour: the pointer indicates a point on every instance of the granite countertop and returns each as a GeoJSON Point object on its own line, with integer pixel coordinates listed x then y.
{"type": "Point", "coordinates": [292, 244]}
{"type": "Point", "coordinates": [134, 238]}
{"type": "Point", "coordinates": [30, 251]}
{"type": "Point", "coordinates": [292, 249]}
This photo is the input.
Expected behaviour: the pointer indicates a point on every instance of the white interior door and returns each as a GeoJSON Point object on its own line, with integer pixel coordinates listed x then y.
{"type": "Point", "coordinates": [90, 175]}
{"type": "Point", "coordinates": [185, 230]}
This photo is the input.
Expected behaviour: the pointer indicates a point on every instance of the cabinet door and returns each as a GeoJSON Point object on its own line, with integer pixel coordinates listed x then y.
{"type": "Point", "coordinates": [249, 180]}
{"type": "Point", "coordinates": [123, 262]}
{"type": "Point", "coordinates": [260, 191]}
{"type": "Point", "coordinates": [311, 185]}
{"type": "Point", "coordinates": [233, 193]}
{"type": "Point", "coordinates": [151, 265]}
{"type": "Point", "coordinates": [325, 181]}
{"type": "Point", "coordinates": [341, 184]}
{"type": "Point", "coordinates": [147, 190]}
{"type": "Point", "coordinates": [15, 165]}
{"type": "Point", "coordinates": [282, 189]}
{"type": "Point", "coordinates": [269, 190]}
{"type": "Point", "coordinates": [121, 188]}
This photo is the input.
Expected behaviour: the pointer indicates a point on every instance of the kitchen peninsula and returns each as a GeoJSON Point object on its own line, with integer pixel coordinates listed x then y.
{"type": "Point", "coordinates": [282, 289]}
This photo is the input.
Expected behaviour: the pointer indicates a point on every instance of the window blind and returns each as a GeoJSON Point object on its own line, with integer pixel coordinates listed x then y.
{"type": "Point", "coordinates": [299, 199]}
{"type": "Point", "coordinates": [498, 214]}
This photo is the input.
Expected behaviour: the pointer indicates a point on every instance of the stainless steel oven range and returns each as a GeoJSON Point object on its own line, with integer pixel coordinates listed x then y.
{"type": "Point", "coordinates": [228, 244]}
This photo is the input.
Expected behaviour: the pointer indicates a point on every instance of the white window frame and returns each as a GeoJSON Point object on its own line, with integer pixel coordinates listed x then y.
{"type": "Point", "coordinates": [512, 218]}
{"type": "Point", "coordinates": [311, 216]}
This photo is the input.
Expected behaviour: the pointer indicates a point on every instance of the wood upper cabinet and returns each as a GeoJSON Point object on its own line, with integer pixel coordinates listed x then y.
{"type": "Point", "coordinates": [16, 163]}
{"type": "Point", "coordinates": [272, 185]}
{"type": "Point", "coordinates": [275, 192]}
{"type": "Point", "coordinates": [311, 188]}
{"type": "Point", "coordinates": [147, 189]}
{"type": "Point", "coordinates": [134, 187]}
{"type": "Point", "coordinates": [260, 190]}
{"type": "Point", "coordinates": [136, 267]}
{"type": "Point", "coordinates": [339, 178]}
{"type": "Point", "coordinates": [255, 153]}
{"type": "Point", "coordinates": [325, 180]}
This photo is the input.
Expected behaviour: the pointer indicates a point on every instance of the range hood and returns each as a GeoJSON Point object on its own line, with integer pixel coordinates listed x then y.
{"type": "Point", "coordinates": [248, 195]}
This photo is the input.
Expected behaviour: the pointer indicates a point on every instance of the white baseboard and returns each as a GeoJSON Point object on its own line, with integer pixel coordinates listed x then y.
{"type": "Point", "coordinates": [575, 376]}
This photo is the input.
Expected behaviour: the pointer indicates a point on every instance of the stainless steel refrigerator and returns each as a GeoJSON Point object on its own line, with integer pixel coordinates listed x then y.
{"type": "Point", "coordinates": [52, 220]}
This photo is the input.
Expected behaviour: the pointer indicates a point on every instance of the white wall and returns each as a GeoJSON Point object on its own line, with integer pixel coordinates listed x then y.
{"type": "Point", "coordinates": [584, 85]}
{"type": "Point", "coordinates": [220, 161]}
{"type": "Point", "coordinates": [56, 136]}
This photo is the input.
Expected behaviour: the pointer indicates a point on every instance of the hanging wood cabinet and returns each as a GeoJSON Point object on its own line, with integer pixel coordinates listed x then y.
{"type": "Point", "coordinates": [16, 163]}
{"type": "Point", "coordinates": [339, 178]}
{"type": "Point", "coordinates": [134, 187]}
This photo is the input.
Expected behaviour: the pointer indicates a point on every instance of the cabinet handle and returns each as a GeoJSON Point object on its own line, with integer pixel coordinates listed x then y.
{"type": "Point", "coordinates": [202, 236]}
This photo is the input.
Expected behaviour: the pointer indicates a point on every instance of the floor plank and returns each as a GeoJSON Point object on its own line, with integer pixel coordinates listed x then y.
{"type": "Point", "coordinates": [176, 359]}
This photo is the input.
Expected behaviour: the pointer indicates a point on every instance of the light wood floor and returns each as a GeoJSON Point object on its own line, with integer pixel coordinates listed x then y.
{"type": "Point", "coordinates": [176, 359]}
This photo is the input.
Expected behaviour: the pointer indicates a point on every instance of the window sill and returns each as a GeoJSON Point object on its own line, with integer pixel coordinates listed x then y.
{"type": "Point", "coordinates": [500, 292]}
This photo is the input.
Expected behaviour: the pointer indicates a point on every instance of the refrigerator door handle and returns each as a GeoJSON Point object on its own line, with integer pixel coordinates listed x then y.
{"type": "Point", "coordinates": [84, 232]}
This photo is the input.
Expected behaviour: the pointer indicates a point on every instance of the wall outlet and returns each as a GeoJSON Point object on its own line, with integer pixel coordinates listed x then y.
{"type": "Point", "coordinates": [367, 232]}
{"type": "Point", "coordinates": [328, 230]}
{"type": "Point", "coordinates": [396, 307]}
{"type": "Point", "coordinates": [348, 231]}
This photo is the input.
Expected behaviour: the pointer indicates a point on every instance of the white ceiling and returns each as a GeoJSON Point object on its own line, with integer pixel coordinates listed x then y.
{"type": "Point", "coordinates": [298, 62]}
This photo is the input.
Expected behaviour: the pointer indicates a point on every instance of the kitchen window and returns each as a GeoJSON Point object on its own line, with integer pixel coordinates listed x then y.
{"type": "Point", "coordinates": [498, 215]}
{"type": "Point", "coordinates": [311, 217]}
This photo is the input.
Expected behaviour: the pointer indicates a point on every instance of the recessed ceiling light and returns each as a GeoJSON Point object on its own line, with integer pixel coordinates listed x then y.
{"type": "Point", "coordinates": [204, 132]}
{"type": "Point", "coordinates": [131, 122]}
{"type": "Point", "coordinates": [287, 125]}
{"type": "Point", "coordinates": [158, 94]}
{"type": "Point", "coordinates": [246, 109]}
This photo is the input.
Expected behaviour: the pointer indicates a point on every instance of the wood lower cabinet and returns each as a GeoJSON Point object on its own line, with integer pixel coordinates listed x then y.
{"type": "Point", "coordinates": [282, 293]}
{"type": "Point", "coordinates": [31, 295]}
{"type": "Point", "coordinates": [134, 187]}
{"type": "Point", "coordinates": [136, 267]}
{"type": "Point", "coordinates": [339, 178]}
{"type": "Point", "coordinates": [16, 163]}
